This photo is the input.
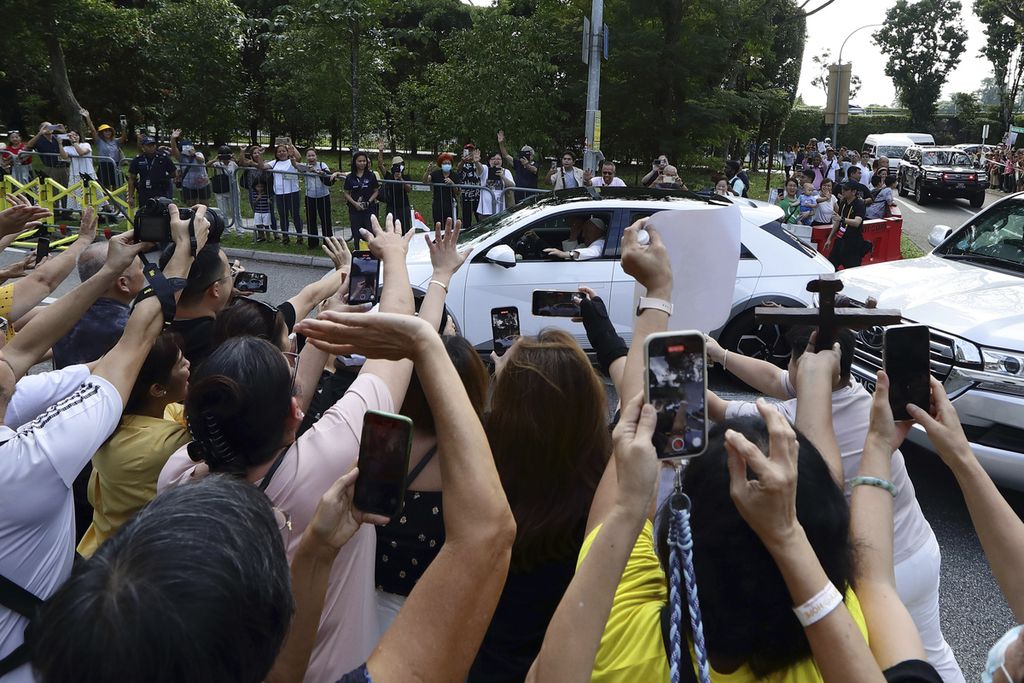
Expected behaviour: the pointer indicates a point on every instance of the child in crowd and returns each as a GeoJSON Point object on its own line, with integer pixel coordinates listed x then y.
{"type": "Point", "coordinates": [260, 201]}
{"type": "Point", "coordinates": [808, 202]}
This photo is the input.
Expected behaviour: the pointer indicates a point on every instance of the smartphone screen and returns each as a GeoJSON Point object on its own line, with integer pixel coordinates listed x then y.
{"type": "Point", "coordinates": [677, 388]}
{"type": "Point", "coordinates": [557, 304]}
{"type": "Point", "coordinates": [907, 361]}
{"type": "Point", "coordinates": [383, 463]}
{"type": "Point", "coordinates": [504, 328]}
{"type": "Point", "coordinates": [42, 248]}
{"type": "Point", "coordinates": [364, 278]}
{"type": "Point", "coordinates": [251, 282]}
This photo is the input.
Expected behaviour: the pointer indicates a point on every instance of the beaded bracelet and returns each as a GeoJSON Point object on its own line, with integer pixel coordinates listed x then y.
{"type": "Point", "coordinates": [874, 481]}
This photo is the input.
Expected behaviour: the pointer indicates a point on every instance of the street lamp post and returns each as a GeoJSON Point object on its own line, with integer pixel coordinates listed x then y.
{"type": "Point", "coordinates": [835, 111]}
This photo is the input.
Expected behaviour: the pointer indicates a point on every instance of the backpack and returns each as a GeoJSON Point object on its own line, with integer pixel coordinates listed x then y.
{"type": "Point", "coordinates": [19, 601]}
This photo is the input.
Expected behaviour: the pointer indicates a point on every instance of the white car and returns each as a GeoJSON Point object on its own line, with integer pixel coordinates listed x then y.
{"type": "Point", "coordinates": [970, 292]}
{"type": "Point", "coordinates": [506, 265]}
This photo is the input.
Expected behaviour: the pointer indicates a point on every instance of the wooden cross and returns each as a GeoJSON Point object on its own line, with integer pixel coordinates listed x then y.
{"type": "Point", "coordinates": [827, 318]}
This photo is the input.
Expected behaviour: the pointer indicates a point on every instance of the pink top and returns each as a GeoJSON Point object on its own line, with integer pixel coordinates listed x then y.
{"type": "Point", "coordinates": [348, 626]}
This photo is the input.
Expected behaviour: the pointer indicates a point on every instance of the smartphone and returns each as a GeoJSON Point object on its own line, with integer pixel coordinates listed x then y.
{"type": "Point", "coordinates": [124, 122]}
{"type": "Point", "coordinates": [906, 357]}
{"type": "Point", "coordinates": [677, 388]}
{"type": "Point", "coordinates": [282, 140]}
{"type": "Point", "coordinates": [556, 304]}
{"type": "Point", "coordinates": [42, 248]}
{"type": "Point", "coordinates": [383, 463]}
{"type": "Point", "coordinates": [364, 278]}
{"type": "Point", "coordinates": [504, 328]}
{"type": "Point", "coordinates": [251, 282]}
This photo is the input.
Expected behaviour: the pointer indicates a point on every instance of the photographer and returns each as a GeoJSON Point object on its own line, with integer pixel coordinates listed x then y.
{"type": "Point", "coordinates": [107, 146]}
{"type": "Point", "coordinates": [195, 183]}
{"type": "Point", "coordinates": [469, 173]}
{"type": "Point", "coordinates": [79, 154]}
{"type": "Point", "coordinates": [524, 170]}
{"type": "Point", "coordinates": [497, 179]}
{"type": "Point", "coordinates": [150, 174]}
{"type": "Point", "coordinates": [318, 180]}
{"type": "Point", "coordinates": [225, 189]}
{"type": "Point", "coordinates": [657, 167]}
{"type": "Point", "coordinates": [567, 175]}
{"type": "Point", "coordinates": [396, 194]}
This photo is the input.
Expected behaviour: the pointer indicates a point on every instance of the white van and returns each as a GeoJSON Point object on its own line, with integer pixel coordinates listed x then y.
{"type": "Point", "coordinates": [890, 145]}
{"type": "Point", "coordinates": [920, 138]}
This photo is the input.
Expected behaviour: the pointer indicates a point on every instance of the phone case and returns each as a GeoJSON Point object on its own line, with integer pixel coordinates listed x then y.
{"type": "Point", "coordinates": [703, 432]}
{"type": "Point", "coordinates": [374, 494]}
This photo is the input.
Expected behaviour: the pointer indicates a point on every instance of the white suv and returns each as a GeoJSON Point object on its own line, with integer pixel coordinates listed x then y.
{"type": "Point", "coordinates": [507, 264]}
{"type": "Point", "coordinates": [970, 291]}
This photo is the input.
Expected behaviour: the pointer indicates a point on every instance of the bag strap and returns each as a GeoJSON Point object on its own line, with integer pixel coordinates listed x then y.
{"type": "Point", "coordinates": [273, 469]}
{"type": "Point", "coordinates": [687, 674]}
{"type": "Point", "coordinates": [424, 461]}
{"type": "Point", "coordinates": [25, 603]}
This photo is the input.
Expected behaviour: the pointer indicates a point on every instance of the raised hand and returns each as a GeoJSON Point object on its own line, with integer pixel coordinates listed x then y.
{"type": "Point", "coordinates": [882, 425]}
{"type": "Point", "coordinates": [768, 501]}
{"type": "Point", "coordinates": [336, 519]}
{"type": "Point", "coordinates": [176, 133]}
{"type": "Point", "coordinates": [387, 336]}
{"type": "Point", "coordinates": [444, 254]}
{"type": "Point", "coordinates": [20, 268]}
{"type": "Point", "coordinates": [21, 216]}
{"type": "Point", "coordinates": [647, 264]}
{"type": "Point", "coordinates": [338, 252]}
{"type": "Point", "coordinates": [943, 426]}
{"type": "Point", "coordinates": [388, 241]}
{"type": "Point", "coordinates": [380, 145]}
{"type": "Point", "coordinates": [200, 225]}
{"type": "Point", "coordinates": [636, 461]}
{"type": "Point", "coordinates": [121, 251]}
{"type": "Point", "coordinates": [87, 230]}
{"type": "Point", "coordinates": [501, 137]}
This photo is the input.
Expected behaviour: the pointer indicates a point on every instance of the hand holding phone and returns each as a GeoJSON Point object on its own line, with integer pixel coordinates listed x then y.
{"type": "Point", "coordinates": [556, 304]}
{"type": "Point", "coordinates": [677, 388]}
{"type": "Point", "coordinates": [383, 463]}
{"type": "Point", "coordinates": [906, 358]}
{"type": "Point", "coordinates": [42, 248]}
{"type": "Point", "coordinates": [364, 279]}
{"type": "Point", "coordinates": [504, 328]}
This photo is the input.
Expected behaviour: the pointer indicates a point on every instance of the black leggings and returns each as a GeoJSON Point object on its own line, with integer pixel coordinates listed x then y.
{"type": "Point", "coordinates": [318, 209]}
{"type": "Point", "coordinates": [288, 204]}
{"type": "Point", "coordinates": [468, 209]}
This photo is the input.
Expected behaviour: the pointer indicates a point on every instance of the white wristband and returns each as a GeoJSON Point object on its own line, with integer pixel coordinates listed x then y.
{"type": "Point", "coordinates": [820, 606]}
{"type": "Point", "coordinates": [656, 304]}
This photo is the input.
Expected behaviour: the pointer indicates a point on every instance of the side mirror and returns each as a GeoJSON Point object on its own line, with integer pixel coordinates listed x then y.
{"type": "Point", "coordinates": [939, 234]}
{"type": "Point", "coordinates": [501, 255]}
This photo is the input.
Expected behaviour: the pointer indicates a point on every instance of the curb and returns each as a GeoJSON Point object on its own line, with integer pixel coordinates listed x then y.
{"type": "Point", "coordinates": [273, 257]}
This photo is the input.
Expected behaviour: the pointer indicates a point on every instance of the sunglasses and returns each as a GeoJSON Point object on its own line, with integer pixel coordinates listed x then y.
{"type": "Point", "coordinates": [267, 312]}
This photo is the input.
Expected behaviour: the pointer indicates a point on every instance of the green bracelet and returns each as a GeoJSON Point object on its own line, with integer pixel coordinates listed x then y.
{"type": "Point", "coordinates": [874, 481]}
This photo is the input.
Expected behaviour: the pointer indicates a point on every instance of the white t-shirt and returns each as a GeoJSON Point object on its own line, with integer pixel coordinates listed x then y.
{"type": "Point", "coordinates": [851, 409]}
{"type": "Point", "coordinates": [286, 178]}
{"type": "Point", "coordinates": [829, 168]}
{"type": "Point", "coordinates": [349, 627]}
{"type": "Point", "coordinates": [81, 164]}
{"type": "Point", "coordinates": [61, 419]}
{"type": "Point", "coordinates": [616, 182]}
{"type": "Point", "coordinates": [823, 211]}
{"type": "Point", "coordinates": [485, 207]}
{"type": "Point", "coordinates": [737, 185]}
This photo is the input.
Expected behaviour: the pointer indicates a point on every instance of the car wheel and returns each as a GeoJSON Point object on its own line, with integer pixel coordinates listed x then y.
{"type": "Point", "coordinates": [920, 196]}
{"type": "Point", "coordinates": [901, 185]}
{"type": "Point", "coordinates": [977, 200]}
{"type": "Point", "coordinates": [748, 337]}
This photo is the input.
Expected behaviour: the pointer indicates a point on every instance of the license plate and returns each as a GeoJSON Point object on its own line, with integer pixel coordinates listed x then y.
{"type": "Point", "coordinates": [961, 186]}
{"type": "Point", "coordinates": [867, 382]}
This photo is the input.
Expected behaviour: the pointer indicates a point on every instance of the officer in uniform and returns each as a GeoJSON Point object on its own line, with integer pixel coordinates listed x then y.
{"type": "Point", "coordinates": [151, 174]}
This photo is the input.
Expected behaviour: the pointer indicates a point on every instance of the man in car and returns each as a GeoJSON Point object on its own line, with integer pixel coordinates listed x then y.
{"type": "Point", "coordinates": [846, 238]}
{"type": "Point", "coordinates": [591, 242]}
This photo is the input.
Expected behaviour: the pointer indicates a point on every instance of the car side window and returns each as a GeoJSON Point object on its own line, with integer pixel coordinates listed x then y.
{"type": "Point", "coordinates": [563, 231]}
{"type": "Point", "coordinates": [637, 215]}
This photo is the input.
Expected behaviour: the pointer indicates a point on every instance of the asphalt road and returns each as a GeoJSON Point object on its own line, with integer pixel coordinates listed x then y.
{"type": "Point", "coordinates": [974, 613]}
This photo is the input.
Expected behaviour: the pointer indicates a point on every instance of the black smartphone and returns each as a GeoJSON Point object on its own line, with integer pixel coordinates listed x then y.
{"type": "Point", "coordinates": [364, 278]}
{"type": "Point", "coordinates": [677, 388]}
{"type": "Point", "coordinates": [906, 358]}
{"type": "Point", "coordinates": [504, 328]}
{"type": "Point", "coordinates": [383, 463]}
{"type": "Point", "coordinates": [42, 248]}
{"type": "Point", "coordinates": [251, 282]}
{"type": "Point", "coordinates": [556, 304]}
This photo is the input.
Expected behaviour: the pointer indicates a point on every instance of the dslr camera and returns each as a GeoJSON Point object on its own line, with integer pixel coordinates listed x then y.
{"type": "Point", "coordinates": [153, 221]}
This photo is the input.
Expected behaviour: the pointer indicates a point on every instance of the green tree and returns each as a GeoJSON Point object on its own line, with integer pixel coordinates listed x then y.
{"type": "Point", "coordinates": [821, 63]}
{"type": "Point", "coordinates": [1002, 39]}
{"type": "Point", "coordinates": [924, 41]}
{"type": "Point", "coordinates": [965, 115]}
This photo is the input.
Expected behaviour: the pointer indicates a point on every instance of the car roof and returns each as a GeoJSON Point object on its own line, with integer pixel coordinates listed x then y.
{"type": "Point", "coordinates": [632, 197]}
{"type": "Point", "coordinates": [933, 148]}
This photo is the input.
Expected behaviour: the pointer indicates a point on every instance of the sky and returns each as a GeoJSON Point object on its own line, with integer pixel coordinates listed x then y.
{"type": "Point", "coordinates": [829, 27]}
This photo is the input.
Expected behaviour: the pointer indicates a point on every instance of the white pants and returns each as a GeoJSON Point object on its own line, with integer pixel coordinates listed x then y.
{"type": "Point", "coordinates": [388, 605]}
{"type": "Point", "coordinates": [917, 583]}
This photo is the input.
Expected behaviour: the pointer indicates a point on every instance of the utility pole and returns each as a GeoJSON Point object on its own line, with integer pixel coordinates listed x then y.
{"type": "Point", "coordinates": [593, 49]}
{"type": "Point", "coordinates": [840, 80]}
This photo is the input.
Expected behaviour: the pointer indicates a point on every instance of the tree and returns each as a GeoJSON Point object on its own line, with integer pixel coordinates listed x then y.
{"type": "Point", "coordinates": [924, 41]}
{"type": "Point", "coordinates": [821, 63]}
{"type": "Point", "coordinates": [965, 113]}
{"type": "Point", "coordinates": [1002, 41]}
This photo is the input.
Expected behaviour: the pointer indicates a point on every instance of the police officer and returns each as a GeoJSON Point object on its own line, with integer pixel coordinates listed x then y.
{"type": "Point", "coordinates": [151, 173]}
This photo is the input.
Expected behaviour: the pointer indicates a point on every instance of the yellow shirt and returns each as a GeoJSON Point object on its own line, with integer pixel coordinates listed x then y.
{"type": "Point", "coordinates": [6, 304]}
{"type": "Point", "coordinates": [632, 648]}
{"type": "Point", "coordinates": [125, 470]}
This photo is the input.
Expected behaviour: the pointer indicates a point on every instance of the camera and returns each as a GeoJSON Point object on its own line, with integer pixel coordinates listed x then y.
{"type": "Point", "coordinates": [397, 168]}
{"type": "Point", "coordinates": [153, 221]}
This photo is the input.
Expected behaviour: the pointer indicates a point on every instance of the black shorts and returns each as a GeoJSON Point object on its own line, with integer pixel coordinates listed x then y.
{"type": "Point", "coordinates": [190, 195]}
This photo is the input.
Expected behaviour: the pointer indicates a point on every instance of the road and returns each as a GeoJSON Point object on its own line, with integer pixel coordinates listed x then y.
{"type": "Point", "coordinates": [974, 614]}
{"type": "Point", "coordinates": [918, 221]}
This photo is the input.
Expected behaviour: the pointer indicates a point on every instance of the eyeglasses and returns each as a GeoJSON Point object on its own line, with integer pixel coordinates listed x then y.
{"type": "Point", "coordinates": [293, 361]}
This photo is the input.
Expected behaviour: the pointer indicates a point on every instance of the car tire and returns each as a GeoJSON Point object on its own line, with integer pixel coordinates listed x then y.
{"type": "Point", "coordinates": [901, 186]}
{"type": "Point", "coordinates": [747, 337]}
{"type": "Point", "coordinates": [977, 200]}
{"type": "Point", "coordinates": [920, 195]}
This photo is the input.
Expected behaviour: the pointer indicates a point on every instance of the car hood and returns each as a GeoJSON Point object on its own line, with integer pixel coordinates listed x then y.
{"type": "Point", "coordinates": [979, 304]}
{"type": "Point", "coordinates": [940, 168]}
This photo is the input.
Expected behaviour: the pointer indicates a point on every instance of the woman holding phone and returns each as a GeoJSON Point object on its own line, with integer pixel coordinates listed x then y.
{"type": "Point", "coordinates": [361, 190]}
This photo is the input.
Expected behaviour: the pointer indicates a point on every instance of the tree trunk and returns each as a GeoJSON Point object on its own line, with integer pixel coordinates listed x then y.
{"type": "Point", "coordinates": [69, 106]}
{"type": "Point", "coordinates": [354, 54]}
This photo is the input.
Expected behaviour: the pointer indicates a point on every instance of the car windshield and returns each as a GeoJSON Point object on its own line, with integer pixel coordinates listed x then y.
{"type": "Point", "coordinates": [481, 231]}
{"type": "Point", "coordinates": [995, 236]}
{"type": "Point", "coordinates": [891, 151]}
{"type": "Point", "coordinates": [945, 158]}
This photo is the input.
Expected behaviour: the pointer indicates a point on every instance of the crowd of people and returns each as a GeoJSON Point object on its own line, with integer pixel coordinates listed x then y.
{"type": "Point", "coordinates": [214, 441]}
{"type": "Point", "coordinates": [1005, 168]}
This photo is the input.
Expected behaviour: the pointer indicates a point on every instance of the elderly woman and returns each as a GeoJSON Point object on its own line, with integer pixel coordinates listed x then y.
{"type": "Point", "coordinates": [440, 178]}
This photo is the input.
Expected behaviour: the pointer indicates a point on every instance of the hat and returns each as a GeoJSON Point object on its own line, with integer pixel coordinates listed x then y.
{"type": "Point", "coordinates": [224, 150]}
{"type": "Point", "coordinates": [598, 223]}
{"type": "Point", "coordinates": [395, 161]}
{"type": "Point", "coordinates": [103, 127]}
{"type": "Point", "coordinates": [146, 140]}
{"type": "Point", "coordinates": [526, 148]}
{"type": "Point", "coordinates": [469, 145]}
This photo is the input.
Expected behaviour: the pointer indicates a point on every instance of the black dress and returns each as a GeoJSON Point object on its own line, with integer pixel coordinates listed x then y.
{"type": "Point", "coordinates": [444, 197]}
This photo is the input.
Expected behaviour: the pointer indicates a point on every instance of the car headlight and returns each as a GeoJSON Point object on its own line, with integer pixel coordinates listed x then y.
{"type": "Point", "coordinates": [931, 175]}
{"type": "Point", "coordinates": [1003, 363]}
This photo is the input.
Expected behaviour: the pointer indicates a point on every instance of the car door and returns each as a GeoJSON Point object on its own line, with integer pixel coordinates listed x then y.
{"type": "Point", "coordinates": [621, 306]}
{"type": "Point", "coordinates": [491, 286]}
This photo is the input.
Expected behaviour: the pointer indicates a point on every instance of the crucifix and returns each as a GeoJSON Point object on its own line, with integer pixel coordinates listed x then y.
{"type": "Point", "coordinates": [827, 318]}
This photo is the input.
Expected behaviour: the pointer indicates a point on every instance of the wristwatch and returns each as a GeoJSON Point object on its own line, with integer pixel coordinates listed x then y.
{"type": "Point", "coordinates": [656, 304]}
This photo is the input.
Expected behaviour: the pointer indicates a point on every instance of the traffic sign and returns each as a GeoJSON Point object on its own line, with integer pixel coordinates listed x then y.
{"type": "Point", "coordinates": [984, 132]}
{"type": "Point", "coordinates": [1017, 129]}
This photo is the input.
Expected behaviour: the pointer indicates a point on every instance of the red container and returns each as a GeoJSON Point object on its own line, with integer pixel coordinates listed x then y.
{"type": "Point", "coordinates": [884, 234]}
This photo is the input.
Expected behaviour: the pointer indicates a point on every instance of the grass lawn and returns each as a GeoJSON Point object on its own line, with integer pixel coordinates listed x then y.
{"type": "Point", "coordinates": [910, 250]}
